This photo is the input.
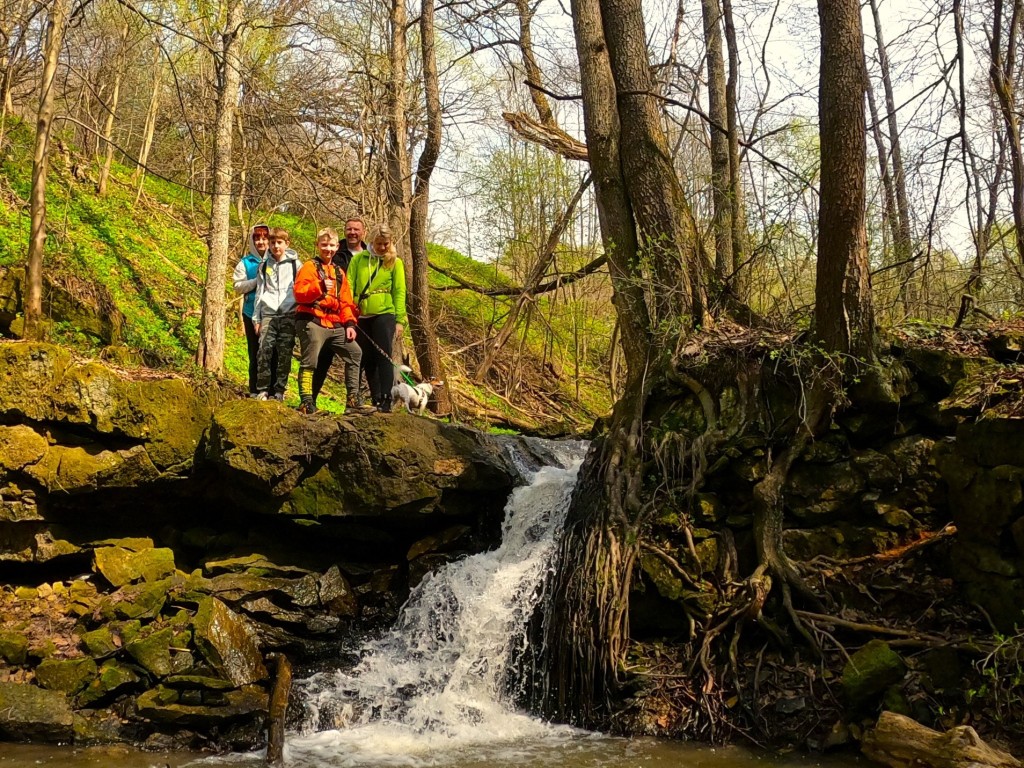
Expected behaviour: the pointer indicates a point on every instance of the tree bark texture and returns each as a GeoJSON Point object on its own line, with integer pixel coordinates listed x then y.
{"type": "Point", "coordinates": [618, 234]}
{"type": "Point", "coordinates": [210, 354]}
{"type": "Point", "coordinates": [739, 216]}
{"type": "Point", "coordinates": [423, 333]}
{"type": "Point", "coordinates": [898, 741]}
{"type": "Point", "coordinates": [108, 123]}
{"type": "Point", "coordinates": [1001, 72]}
{"type": "Point", "coordinates": [398, 179]}
{"type": "Point", "coordinates": [533, 75]}
{"type": "Point", "coordinates": [720, 173]}
{"type": "Point", "coordinates": [665, 227]}
{"type": "Point", "coordinates": [902, 245]}
{"type": "Point", "coordinates": [55, 29]}
{"type": "Point", "coordinates": [842, 289]}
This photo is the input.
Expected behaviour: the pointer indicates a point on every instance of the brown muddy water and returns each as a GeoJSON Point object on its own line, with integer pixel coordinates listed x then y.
{"type": "Point", "coordinates": [558, 751]}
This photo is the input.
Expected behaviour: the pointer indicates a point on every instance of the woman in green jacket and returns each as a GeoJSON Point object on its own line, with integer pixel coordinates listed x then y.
{"type": "Point", "coordinates": [378, 286]}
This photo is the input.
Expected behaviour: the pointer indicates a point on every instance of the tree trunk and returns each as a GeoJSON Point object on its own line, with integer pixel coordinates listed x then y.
{"type": "Point", "coordinates": [1001, 72]}
{"type": "Point", "coordinates": [720, 168]}
{"type": "Point", "coordinates": [902, 245]}
{"type": "Point", "coordinates": [899, 741]}
{"type": "Point", "coordinates": [56, 26]}
{"type": "Point", "coordinates": [845, 322]}
{"type": "Point", "coordinates": [739, 216]}
{"type": "Point", "coordinates": [210, 354]}
{"type": "Point", "coordinates": [423, 333]}
{"type": "Point", "coordinates": [398, 175]}
{"type": "Point", "coordinates": [149, 128]}
{"type": "Point", "coordinates": [664, 222]}
{"type": "Point", "coordinates": [618, 233]}
{"type": "Point", "coordinates": [108, 123]}
{"type": "Point", "coordinates": [540, 101]}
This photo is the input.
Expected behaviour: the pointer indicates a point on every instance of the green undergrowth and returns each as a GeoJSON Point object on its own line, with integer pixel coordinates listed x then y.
{"type": "Point", "coordinates": [150, 257]}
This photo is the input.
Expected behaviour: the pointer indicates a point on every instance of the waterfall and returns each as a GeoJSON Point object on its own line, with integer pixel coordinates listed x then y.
{"type": "Point", "coordinates": [438, 680]}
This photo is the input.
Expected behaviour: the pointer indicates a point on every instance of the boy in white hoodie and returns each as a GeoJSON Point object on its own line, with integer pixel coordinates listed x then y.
{"type": "Point", "coordinates": [274, 316]}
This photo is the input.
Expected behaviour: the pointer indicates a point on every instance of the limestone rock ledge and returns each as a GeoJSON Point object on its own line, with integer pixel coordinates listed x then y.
{"type": "Point", "coordinates": [211, 529]}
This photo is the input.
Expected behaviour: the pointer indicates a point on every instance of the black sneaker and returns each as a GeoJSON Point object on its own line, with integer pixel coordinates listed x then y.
{"type": "Point", "coordinates": [307, 407]}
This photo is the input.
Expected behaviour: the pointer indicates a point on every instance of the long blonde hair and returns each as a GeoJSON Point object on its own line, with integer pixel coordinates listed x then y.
{"type": "Point", "coordinates": [390, 255]}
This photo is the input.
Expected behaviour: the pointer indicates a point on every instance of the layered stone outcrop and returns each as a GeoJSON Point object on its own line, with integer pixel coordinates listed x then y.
{"type": "Point", "coordinates": [211, 529]}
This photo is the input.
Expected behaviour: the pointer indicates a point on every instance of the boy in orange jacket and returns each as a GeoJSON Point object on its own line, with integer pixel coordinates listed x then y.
{"type": "Point", "coordinates": [326, 318]}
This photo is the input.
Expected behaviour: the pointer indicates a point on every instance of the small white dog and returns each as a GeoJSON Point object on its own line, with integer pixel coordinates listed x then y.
{"type": "Point", "coordinates": [414, 397]}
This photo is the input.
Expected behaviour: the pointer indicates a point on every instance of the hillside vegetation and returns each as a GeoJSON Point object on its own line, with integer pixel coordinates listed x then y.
{"type": "Point", "coordinates": [146, 259]}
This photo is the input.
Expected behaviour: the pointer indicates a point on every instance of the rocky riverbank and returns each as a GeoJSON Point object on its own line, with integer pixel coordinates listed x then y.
{"type": "Point", "coordinates": [159, 536]}
{"type": "Point", "coordinates": [903, 522]}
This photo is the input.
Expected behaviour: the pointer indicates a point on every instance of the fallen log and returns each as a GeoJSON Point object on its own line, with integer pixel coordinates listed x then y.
{"type": "Point", "coordinates": [900, 742]}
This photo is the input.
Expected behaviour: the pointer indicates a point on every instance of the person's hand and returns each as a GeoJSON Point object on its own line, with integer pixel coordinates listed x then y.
{"type": "Point", "coordinates": [256, 327]}
{"type": "Point", "coordinates": [350, 333]}
{"type": "Point", "coordinates": [399, 330]}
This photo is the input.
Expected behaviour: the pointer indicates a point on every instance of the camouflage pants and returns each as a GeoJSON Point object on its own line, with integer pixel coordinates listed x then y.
{"type": "Point", "coordinates": [274, 362]}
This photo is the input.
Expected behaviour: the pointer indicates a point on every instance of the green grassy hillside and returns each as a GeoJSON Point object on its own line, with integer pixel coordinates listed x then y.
{"type": "Point", "coordinates": [147, 258]}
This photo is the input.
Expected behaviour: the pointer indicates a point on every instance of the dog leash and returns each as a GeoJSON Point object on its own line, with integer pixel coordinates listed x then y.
{"type": "Point", "coordinates": [408, 379]}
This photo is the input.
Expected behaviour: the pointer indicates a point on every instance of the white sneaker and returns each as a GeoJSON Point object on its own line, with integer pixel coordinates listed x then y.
{"type": "Point", "coordinates": [278, 397]}
{"type": "Point", "coordinates": [262, 396]}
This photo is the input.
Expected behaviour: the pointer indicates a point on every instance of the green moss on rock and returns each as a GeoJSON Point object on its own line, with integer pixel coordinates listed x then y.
{"type": "Point", "coordinates": [122, 566]}
{"type": "Point", "coordinates": [13, 647]}
{"type": "Point", "coordinates": [870, 671]}
{"type": "Point", "coordinates": [31, 713]}
{"type": "Point", "coordinates": [66, 675]}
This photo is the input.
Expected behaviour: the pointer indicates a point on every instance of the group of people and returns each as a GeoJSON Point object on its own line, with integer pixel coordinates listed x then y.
{"type": "Point", "coordinates": [349, 301]}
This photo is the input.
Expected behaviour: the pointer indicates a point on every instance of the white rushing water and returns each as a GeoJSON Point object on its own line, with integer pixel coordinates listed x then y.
{"type": "Point", "coordinates": [433, 690]}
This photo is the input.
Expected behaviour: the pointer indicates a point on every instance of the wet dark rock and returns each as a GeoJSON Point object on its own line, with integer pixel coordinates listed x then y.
{"type": "Point", "coordinates": [228, 643]}
{"type": "Point", "coordinates": [93, 727]}
{"type": "Point", "coordinates": [30, 713]}
{"type": "Point", "coordinates": [163, 705]}
{"type": "Point", "coordinates": [336, 595]}
{"type": "Point", "coordinates": [114, 677]}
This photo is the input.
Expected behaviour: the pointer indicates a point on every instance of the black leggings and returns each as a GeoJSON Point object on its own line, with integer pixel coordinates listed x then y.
{"type": "Point", "coordinates": [252, 343]}
{"type": "Point", "coordinates": [380, 371]}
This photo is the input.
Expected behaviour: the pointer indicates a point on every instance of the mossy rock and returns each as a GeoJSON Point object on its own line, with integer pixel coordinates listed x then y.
{"type": "Point", "coordinates": [281, 462]}
{"type": "Point", "coordinates": [153, 651]}
{"type": "Point", "coordinates": [13, 647]}
{"type": "Point", "coordinates": [100, 643]}
{"type": "Point", "coordinates": [990, 442]}
{"type": "Point", "coordinates": [163, 705]}
{"type": "Point", "coordinates": [31, 713]}
{"type": "Point", "coordinates": [20, 446]}
{"type": "Point", "coordinates": [198, 682]}
{"type": "Point", "coordinates": [114, 678]}
{"type": "Point", "coordinates": [228, 643]}
{"type": "Point", "coordinates": [99, 727]}
{"type": "Point", "coordinates": [672, 587]}
{"type": "Point", "coordinates": [991, 500]}
{"type": "Point", "coordinates": [66, 675]}
{"type": "Point", "coordinates": [122, 566]}
{"type": "Point", "coordinates": [870, 672]}
{"type": "Point", "coordinates": [85, 468]}
{"type": "Point", "coordinates": [41, 382]}
{"type": "Point", "coordinates": [138, 601]}
{"type": "Point", "coordinates": [254, 565]}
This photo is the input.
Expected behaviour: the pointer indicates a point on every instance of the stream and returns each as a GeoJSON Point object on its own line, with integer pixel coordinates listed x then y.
{"type": "Point", "coordinates": [438, 689]}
